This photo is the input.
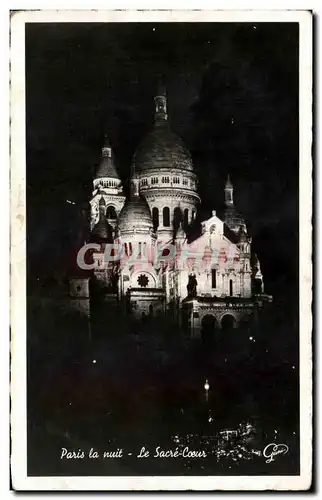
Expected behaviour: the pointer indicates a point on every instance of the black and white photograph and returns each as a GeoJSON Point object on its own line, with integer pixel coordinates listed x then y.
{"type": "Point", "coordinates": [161, 328]}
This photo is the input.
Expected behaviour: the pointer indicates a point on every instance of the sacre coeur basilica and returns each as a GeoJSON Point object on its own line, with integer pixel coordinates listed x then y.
{"type": "Point", "coordinates": [141, 255]}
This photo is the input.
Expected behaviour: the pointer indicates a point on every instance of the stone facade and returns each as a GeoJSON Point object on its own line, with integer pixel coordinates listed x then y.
{"type": "Point", "coordinates": [106, 185]}
{"type": "Point", "coordinates": [157, 269]}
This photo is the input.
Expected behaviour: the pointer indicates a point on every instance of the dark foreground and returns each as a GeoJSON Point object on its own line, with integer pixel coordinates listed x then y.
{"type": "Point", "coordinates": [125, 389]}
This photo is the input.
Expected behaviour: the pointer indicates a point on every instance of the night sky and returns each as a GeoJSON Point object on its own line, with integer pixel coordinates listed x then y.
{"type": "Point", "coordinates": [232, 96]}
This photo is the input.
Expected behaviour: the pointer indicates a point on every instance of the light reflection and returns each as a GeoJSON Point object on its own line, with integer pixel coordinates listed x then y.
{"type": "Point", "coordinates": [234, 445]}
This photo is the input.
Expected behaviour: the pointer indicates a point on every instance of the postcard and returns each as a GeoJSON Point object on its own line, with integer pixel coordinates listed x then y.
{"type": "Point", "coordinates": [161, 247]}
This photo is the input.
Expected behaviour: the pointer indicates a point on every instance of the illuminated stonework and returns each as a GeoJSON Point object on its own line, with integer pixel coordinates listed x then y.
{"type": "Point", "coordinates": [215, 276]}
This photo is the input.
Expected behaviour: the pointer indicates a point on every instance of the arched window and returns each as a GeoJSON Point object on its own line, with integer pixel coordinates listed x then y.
{"type": "Point", "coordinates": [193, 215]}
{"type": "Point", "coordinates": [177, 217]}
{"type": "Point", "coordinates": [214, 278]}
{"type": "Point", "coordinates": [228, 322]}
{"type": "Point", "coordinates": [110, 213]}
{"type": "Point", "coordinates": [155, 217]}
{"type": "Point", "coordinates": [185, 217]}
{"type": "Point", "coordinates": [230, 288]}
{"type": "Point", "coordinates": [166, 217]}
{"type": "Point", "coordinates": [130, 248]}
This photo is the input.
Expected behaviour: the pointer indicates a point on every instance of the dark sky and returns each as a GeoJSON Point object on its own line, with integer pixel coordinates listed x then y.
{"type": "Point", "coordinates": [232, 96]}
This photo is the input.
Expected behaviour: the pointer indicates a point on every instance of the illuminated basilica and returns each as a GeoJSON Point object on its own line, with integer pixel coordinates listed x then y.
{"type": "Point", "coordinates": [143, 255]}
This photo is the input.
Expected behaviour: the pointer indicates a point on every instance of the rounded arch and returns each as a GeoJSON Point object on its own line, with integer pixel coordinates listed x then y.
{"type": "Point", "coordinates": [177, 217]}
{"type": "Point", "coordinates": [155, 217]}
{"type": "Point", "coordinates": [228, 321]}
{"type": "Point", "coordinates": [166, 217]}
{"type": "Point", "coordinates": [111, 212]}
{"type": "Point", "coordinates": [208, 321]}
{"type": "Point", "coordinates": [186, 217]}
{"type": "Point", "coordinates": [208, 330]}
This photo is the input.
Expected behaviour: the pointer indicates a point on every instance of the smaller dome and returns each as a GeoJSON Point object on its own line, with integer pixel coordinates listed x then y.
{"type": "Point", "coordinates": [233, 219]}
{"type": "Point", "coordinates": [102, 231]}
{"type": "Point", "coordinates": [106, 167]}
{"type": "Point", "coordinates": [135, 216]}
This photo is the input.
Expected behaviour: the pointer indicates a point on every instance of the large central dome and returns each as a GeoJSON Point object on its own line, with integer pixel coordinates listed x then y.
{"type": "Point", "coordinates": [161, 148]}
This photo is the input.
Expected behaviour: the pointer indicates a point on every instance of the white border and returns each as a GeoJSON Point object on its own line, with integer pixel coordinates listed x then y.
{"type": "Point", "coordinates": [18, 257]}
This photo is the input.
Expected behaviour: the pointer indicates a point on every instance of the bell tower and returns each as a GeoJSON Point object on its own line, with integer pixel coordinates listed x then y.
{"type": "Point", "coordinates": [161, 105]}
{"type": "Point", "coordinates": [229, 193]}
{"type": "Point", "coordinates": [107, 185]}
